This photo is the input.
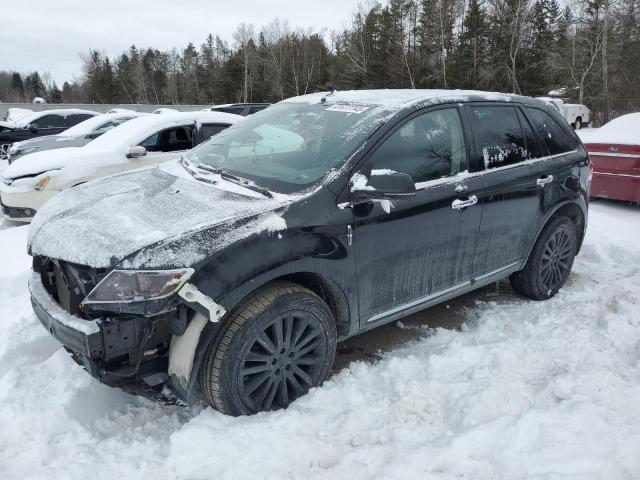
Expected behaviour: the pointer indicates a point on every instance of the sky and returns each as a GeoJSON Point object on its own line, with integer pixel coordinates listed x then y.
{"type": "Point", "coordinates": [49, 36]}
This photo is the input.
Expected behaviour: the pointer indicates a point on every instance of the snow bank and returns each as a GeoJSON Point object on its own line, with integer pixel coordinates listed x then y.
{"type": "Point", "coordinates": [623, 130]}
{"type": "Point", "coordinates": [537, 390]}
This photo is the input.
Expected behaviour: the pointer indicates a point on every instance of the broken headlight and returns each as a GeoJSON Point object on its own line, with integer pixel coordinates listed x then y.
{"type": "Point", "coordinates": [124, 286]}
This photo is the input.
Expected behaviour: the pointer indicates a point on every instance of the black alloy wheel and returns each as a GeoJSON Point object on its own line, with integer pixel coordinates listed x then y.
{"type": "Point", "coordinates": [277, 345]}
{"type": "Point", "coordinates": [557, 259]}
{"type": "Point", "coordinates": [550, 261]}
{"type": "Point", "coordinates": [283, 362]}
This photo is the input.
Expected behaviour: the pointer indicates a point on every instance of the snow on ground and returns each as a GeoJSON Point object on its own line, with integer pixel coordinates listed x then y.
{"type": "Point", "coordinates": [546, 390]}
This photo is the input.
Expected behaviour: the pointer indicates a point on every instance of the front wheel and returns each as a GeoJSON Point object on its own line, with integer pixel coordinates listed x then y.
{"type": "Point", "coordinates": [550, 261]}
{"type": "Point", "coordinates": [280, 343]}
{"type": "Point", "coordinates": [4, 150]}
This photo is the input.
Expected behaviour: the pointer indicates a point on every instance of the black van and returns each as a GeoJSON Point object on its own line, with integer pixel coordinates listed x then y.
{"type": "Point", "coordinates": [233, 273]}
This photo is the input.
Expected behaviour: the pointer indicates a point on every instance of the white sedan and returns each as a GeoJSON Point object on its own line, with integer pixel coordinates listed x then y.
{"type": "Point", "coordinates": [35, 178]}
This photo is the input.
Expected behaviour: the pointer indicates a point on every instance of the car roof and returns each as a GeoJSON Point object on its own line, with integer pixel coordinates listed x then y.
{"type": "Point", "coordinates": [398, 99]}
{"type": "Point", "coordinates": [92, 123]}
{"type": "Point", "coordinates": [60, 111]}
{"type": "Point", "coordinates": [133, 130]}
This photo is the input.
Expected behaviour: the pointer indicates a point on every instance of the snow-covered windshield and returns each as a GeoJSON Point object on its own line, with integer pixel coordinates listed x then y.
{"type": "Point", "coordinates": [98, 124]}
{"type": "Point", "coordinates": [290, 146]}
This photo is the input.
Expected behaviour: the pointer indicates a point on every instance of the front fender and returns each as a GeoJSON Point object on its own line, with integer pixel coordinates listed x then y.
{"type": "Point", "coordinates": [235, 272]}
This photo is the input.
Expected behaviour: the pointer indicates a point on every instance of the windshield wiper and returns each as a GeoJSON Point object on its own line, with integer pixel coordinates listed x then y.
{"type": "Point", "coordinates": [243, 182]}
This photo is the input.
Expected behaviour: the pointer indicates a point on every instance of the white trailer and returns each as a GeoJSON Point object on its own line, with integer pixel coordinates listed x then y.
{"type": "Point", "coordinates": [576, 114]}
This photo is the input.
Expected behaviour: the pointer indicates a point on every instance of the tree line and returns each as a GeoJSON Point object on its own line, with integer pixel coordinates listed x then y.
{"type": "Point", "coordinates": [588, 49]}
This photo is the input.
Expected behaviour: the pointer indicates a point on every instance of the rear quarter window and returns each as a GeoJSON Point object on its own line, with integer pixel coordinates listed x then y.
{"type": "Point", "coordinates": [208, 131]}
{"type": "Point", "coordinates": [556, 137]}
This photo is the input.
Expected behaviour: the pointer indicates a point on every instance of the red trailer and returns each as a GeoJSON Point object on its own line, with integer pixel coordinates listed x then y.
{"type": "Point", "coordinates": [614, 152]}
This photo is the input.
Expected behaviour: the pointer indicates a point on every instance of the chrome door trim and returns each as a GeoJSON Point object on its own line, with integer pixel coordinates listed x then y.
{"type": "Point", "coordinates": [418, 301]}
{"type": "Point", "coordinates": [611, 154]}
{"type": "Point", "coordinates": [484, 276]}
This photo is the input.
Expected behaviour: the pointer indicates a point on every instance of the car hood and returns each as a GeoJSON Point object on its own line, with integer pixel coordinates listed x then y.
{"type": "Point", "coordinates": [55, 141]}
{"type": "Point", "coordinates": [149, 219]}
{"type": "Point", "coordinates": [44, 161]}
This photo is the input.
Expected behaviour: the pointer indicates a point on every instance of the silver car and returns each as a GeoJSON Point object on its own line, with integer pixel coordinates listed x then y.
{"type": "Point", "coordinates": [76, 136]}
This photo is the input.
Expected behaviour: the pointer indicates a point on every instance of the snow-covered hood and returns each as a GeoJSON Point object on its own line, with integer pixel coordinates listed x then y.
{"type": "Point", "coordinates": [39, 162]}
{"type": "Point", "coordinates": [59, 141]}
{"type": "Point", "coordinates": [148, 218]}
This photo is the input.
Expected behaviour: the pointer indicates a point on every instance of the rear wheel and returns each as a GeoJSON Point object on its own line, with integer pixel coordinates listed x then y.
{"type": "Point", "coordinates": [550, 261]}
{"type": "Point", "coordinates": [280, 343]}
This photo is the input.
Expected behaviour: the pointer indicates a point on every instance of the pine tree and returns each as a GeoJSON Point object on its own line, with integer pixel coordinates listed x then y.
{"type": "Point", "coordinates": [18, 86]}
{"type": "Point", "coordinates": [54, 95]}
{"type": "Point", "coordinates": [469, 58]}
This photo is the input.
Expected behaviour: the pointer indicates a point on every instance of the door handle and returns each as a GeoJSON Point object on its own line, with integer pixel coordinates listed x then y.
{"type": "Point", "coordinates": [542, 181]}
{"type": "Point", "coordinates": [462, 204]}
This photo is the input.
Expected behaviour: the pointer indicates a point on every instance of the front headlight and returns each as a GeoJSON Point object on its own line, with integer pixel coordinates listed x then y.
{"type": "Point", "coordinates": [22, 151]}
{"type": "Point", "coordinates": [42, 183]}
{"type": "Point", "coordinates": [126, 286]}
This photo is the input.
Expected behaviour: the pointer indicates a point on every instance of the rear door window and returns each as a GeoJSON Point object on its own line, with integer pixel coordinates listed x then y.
{"type": "Point", "coordinates": [427, 147]}
{"type": "Point", "coordinates": [533, 144]}
{"type": "Point", "coordinates": [499, 136]}
{"type": "Point", "coordinates": [557, 139]}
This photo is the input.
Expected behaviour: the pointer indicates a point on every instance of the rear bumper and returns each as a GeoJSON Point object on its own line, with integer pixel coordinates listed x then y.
{"type": "Point", "coordinates": [87, 340]}
{"type": "Point", "coordinates": [616, 186]}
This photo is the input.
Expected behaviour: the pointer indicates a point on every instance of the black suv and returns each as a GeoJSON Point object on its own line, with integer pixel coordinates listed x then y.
{"type": "Point", "coordinates": [47, 122]}
{"type": "Point", "coordinates": [233, 273]}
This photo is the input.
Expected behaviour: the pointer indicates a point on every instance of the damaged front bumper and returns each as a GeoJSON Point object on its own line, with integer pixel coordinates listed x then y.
{"type": "Point", "coordinates": [129, 352]}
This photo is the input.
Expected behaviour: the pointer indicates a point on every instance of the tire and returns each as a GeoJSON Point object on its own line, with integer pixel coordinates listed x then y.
{"type": "Point", "coordinates": [4, 150]}
{"type": "Point", "coordinates": [550, 262]}
{"type": "Point", "coordinates": [578, 124]}
{"type": "Point", "coordinates": [277, 345]}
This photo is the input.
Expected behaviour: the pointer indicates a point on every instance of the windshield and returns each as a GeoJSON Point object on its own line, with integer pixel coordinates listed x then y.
{"type": "Point", "coordinates": [100, 123]}
{"type": "Point", "coordinates": [292, 145]}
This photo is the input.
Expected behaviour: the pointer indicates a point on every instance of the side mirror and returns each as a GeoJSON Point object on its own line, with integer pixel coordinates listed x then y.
{"type": "Point", "coordinates": [383, 184]}
{"type": "Point", "coordinates": [33, 127]}
{"type": "Point", "coordinates": [136, 152]}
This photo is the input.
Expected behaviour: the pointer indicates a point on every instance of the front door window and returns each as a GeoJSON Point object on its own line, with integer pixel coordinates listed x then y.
{"type": "Point", "coordinates": [427, 147]}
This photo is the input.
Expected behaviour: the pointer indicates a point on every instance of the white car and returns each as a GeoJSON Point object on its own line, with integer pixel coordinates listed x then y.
{"type": "Point", "coordinates": [35, 178]}
{"type": "Point", "coordinates": [76, 136]}
{"type": "Point", "coordinates": [576, 114]}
